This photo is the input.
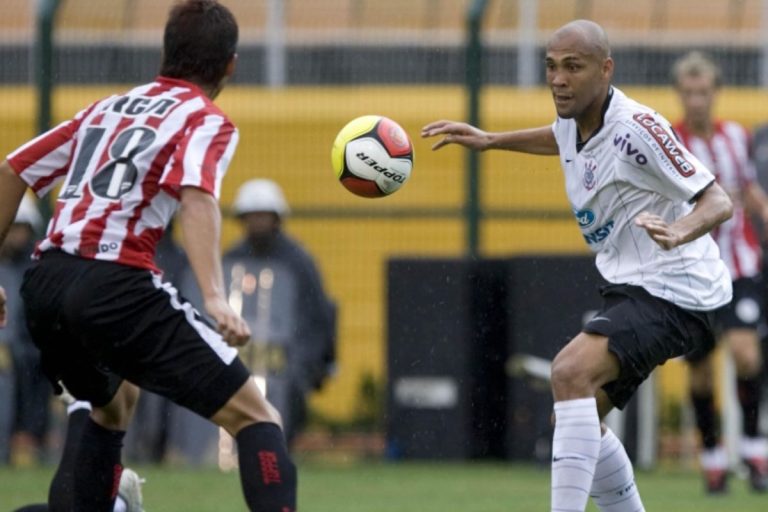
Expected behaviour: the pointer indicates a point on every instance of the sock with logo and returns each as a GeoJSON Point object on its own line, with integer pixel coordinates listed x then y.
{"type": "Point", "coordinates": [749, 398]}
{"type": "Point", "coordinates": [267, 474]}
{"type": "Point", "coordinates": [97, 478]}
{"type": "Point", "coordinates": [575, 450]}
{"type": "Point", "coordinates": [613, 487]}
{"type": "Point", "coordinates": [706, 419]}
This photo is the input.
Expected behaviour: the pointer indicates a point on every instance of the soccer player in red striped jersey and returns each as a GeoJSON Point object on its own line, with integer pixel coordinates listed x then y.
{"type": "Point", "coordinates": [95, 302]}
{"type": "Point", "coordinates": [724, 147]}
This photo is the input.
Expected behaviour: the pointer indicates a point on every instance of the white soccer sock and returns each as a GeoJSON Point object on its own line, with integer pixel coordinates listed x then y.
{"type": "Point", "coordinates": [614, 488]}
{"type": "Point", "coordinates": [120, 505]}
{"type": "Point", "coordinates": [575, 449]}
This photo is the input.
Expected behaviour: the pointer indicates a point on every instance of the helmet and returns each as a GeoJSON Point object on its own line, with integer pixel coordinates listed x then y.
{"type": "Point", "coordinates": [28, 213]}
{"type": "Point", "coordinates": [260, 195]}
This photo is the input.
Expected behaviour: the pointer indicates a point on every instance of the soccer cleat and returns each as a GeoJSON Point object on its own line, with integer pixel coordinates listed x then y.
{"type": "Point", "coordinates": [130, 490]}
{"type": "Point", "coordinates": [716, 481]}
{"type": "Point", "coordinates": [758, 473]}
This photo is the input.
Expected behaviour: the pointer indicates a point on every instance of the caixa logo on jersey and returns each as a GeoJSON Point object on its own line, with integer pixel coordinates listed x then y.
{"type": "Point", "coordinates": [585, 217]}
{"type": "Point", "coordinates": [599, 234]}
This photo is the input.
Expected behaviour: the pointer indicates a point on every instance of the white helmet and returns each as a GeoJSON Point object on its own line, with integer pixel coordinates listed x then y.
{"type": "Point", "coordinates": [28, 213]}
{"type": "Point", "coordinates": [260, 196]}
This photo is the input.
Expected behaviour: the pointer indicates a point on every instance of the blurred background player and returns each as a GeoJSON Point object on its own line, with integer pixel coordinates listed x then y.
{"type": "Point", "coordinates": [724, 147]}
{"type": "Point", "coordinates": [27, 408]}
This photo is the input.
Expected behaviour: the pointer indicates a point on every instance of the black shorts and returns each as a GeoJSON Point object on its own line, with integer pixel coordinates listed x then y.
{"type": "Point", "coordinates": [97, 323]}
{"type": "Point", "coordinates": [745, 311]}
{"type": "Point", "coordinates": [644, 332]}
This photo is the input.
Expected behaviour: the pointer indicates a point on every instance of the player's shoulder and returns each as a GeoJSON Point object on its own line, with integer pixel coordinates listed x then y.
{"type": "Point", "coordinates": [733, 129]}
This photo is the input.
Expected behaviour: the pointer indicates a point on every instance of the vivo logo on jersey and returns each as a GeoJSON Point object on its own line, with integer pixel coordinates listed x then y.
{"type": "Point", "coordinates": [131, 106]}
{"type": "Point", "coordinates": [599, 234]}
{"type": "Point", "coordinates": [667, 142]}
{"type": "Point", "coordinates": [625, 146]}
{"type": "Point", "coordinates": [585, 218]}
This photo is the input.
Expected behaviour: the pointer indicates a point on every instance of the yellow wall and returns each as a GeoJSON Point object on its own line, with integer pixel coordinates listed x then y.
{"type": "Point", "coordinates": [286, 135]}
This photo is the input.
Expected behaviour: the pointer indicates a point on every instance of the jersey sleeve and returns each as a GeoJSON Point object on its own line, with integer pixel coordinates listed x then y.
{"type": "Point", "coordinates": [666, 166]}
{"type": "Point", "coordinates": [44, 161]}
{"type": "Point", "coordinates": [202, 156]}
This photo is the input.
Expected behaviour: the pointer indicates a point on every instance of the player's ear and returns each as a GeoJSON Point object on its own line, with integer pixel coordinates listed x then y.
{"type": "Point", "coordinates": [231, 66]}
{"type": "Point", "coordinates": [608, 68]}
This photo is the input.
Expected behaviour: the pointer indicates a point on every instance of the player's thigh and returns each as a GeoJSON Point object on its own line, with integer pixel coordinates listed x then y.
{"type": "Point", "coordinates": [744, 345]}
{"type": "Point", "coordinates": [587, 360]}
{"type": "Point", "coordinates": [644, 332]}
{"type": "Point", "coordinates": [170, 350]}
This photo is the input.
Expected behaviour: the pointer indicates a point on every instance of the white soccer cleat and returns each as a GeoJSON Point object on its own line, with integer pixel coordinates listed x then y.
{"type": "Point", "coordinates": [130, 490]}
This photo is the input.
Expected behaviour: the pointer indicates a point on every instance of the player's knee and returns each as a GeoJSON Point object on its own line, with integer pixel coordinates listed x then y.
{"type": "Point", "coordinates": [569, 377]}
{"type": "Point", "coordinates": [246, 407]}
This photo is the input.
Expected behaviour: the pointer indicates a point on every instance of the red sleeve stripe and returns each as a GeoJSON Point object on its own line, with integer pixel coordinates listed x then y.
{"type": "Point", "coordinates": [175, 174]}
{"type": "Point", "coordinates": [216, 149]}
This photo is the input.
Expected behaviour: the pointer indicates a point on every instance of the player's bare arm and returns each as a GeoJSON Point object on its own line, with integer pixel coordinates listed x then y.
{"type": "Point", "coordinates": [200, 220]}
{"type": "Point", "coordinates": [756, 201]}
{"type": "Point", "coordinates": [12, 189]}
{"type": "Point", "coordinates": [712, 208]}
{"type": "Point", "coordinates": [2, 307]}
{"type": "Point", "coordinates": [537, 141]}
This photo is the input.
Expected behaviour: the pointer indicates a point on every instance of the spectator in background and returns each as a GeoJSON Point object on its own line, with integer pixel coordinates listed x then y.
{"type": "Point", "coordinates": [274, 282]}
{"type": "Point", "coordinates": [282, 299]}
{"type": "Point", "coordinates": [724, 147]}
{"type": "Point", "coordinates": [31, 392]}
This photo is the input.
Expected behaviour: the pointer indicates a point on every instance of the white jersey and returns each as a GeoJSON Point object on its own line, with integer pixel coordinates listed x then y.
{"type": "Point", "coordinates": [124, 161]}
{"type": "Point", "coordinates": [634, 163]}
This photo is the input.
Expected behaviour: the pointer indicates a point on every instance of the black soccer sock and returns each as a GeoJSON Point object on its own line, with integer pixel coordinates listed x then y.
{"type": "Point", "coordinates": [267, 474]}
{"type": "Point", "coordinates": [33, 508]}
{"type": "Point", "coordinates": [61, 492]}
{"type": "Point", "coordinates": [706, 419]}
{"type": "Point", "coordinates": [97, 478]}
{"type": "Point", "coordinates": [749, 398]}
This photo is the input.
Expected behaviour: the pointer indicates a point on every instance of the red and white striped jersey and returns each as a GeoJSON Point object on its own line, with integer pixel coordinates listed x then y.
{"type": "Point", "coordinates": [727, 154]}
{"type": "Point", "coordinates": [124, 160]}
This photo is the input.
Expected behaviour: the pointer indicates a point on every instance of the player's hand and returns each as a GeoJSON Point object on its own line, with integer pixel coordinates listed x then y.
{"type": "Point", "coordinates": [2, 307]}
{"type": "Point", "coordinates": [230, 325]}
{"type": "Point", "coordinates": [457, 133]}
{"type": "Point", "coordinates": [658, 229]}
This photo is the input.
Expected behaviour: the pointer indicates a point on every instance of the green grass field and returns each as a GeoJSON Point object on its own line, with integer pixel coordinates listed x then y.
{"type": "Point", "coordinates": [402, 487]}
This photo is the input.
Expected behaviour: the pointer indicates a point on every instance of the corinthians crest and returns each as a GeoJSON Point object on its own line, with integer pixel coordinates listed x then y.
{"type": "Point", "coordinates": [590, 166]}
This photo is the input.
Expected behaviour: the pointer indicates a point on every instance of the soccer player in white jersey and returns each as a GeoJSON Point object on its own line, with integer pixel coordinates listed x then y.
{"type": "Point", "coordinates": [95, 303]}
{"type": "Point", "coordinates": [645, 206]}
{"type": "Point", "coordinates": [724, 147]}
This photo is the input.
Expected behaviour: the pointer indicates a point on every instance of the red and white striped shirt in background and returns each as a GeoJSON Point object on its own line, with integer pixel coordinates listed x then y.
{"type": "Point", "coordinates": [727, 154]}
{"type": "Point", "coordinates": [124, 160]}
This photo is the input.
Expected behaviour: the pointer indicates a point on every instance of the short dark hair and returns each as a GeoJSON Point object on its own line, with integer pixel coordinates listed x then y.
{"type": "Point", "coordinates": [199, 41]}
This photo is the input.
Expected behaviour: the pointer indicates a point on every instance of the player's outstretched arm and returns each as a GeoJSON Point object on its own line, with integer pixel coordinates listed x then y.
{"type": "Point", "coordinates": [200, 220]}
{"type": "Point", "coordinates": [712, 208]}
{"type": "Point", "coordinates": [12, 190]}
{"type": "Point", "coordinates": [537, 141]}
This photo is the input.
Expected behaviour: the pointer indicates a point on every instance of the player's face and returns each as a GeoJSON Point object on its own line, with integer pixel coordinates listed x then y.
{"type": "Point", "coordinates": [260, 224]}
{"type": "Point", "coordinates": [697, 95]}
{"type": "Point", "coordinates": [576, 80]}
